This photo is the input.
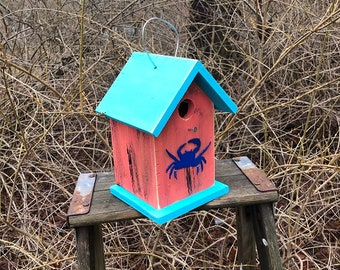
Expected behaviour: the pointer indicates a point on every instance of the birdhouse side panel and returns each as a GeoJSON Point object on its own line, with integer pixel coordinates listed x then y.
{"type": "Point", "coordinates": [134, 161]}
{"type": "Point", "coordinates": [185, 149]}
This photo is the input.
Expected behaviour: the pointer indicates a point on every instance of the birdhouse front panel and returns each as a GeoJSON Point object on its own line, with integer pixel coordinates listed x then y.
{"type": "Point", "coordinates": [180, 162]}
{"type": "Point", "coordinates": [185, 148]}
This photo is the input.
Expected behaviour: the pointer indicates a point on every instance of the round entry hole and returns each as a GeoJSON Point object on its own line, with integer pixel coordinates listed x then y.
{"type": "Point", "coordinates": [185, 108]}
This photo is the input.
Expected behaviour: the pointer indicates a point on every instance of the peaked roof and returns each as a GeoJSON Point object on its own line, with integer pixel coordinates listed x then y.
{"type": "Point", "coordinates": [149, 87]}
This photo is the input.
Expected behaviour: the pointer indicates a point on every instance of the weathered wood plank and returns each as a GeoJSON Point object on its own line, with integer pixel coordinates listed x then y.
{"type": "Point", "coordinates": [246, 255]}
{"type": "Point", "coordinates": [83, 248]}
{"type": "Point", "coordinates": [265, 235]}
{"type": "Point", "coordinates": [106, 208]}
{"type": "Point", "coordinates": [90, 247]}
{"type": "Point", "coordinates": [97, 247]}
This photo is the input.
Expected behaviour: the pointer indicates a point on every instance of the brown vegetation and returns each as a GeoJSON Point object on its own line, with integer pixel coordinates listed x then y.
{"type": "Point", "coordinates": [280, 62]}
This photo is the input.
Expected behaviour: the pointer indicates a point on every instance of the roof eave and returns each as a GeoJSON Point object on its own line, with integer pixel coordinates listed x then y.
{"type": "Point", "coordinates": [214, 91]}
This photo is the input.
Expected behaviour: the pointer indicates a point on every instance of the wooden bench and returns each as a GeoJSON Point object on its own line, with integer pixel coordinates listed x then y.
{"type": "Point", "coordinates": [251, 192]}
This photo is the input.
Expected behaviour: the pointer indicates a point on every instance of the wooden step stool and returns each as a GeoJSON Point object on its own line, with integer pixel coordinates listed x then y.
{"type": "Point", "coordinates": [251, 192]}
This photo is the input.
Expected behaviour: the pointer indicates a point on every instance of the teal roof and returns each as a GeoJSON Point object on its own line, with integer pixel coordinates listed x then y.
{"type": "Point", "coordinates": [148, 89]}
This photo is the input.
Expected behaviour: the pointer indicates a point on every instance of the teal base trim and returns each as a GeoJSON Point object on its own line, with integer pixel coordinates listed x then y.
{"type": "Point", "coordinates": [173, 210]}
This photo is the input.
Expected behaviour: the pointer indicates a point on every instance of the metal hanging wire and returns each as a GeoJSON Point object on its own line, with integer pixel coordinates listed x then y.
{"type": "Point", "coordinates": [168, 24]}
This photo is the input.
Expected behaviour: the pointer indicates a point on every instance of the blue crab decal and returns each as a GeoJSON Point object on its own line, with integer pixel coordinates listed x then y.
{"type": "Point", "coordinates": [188, 158]}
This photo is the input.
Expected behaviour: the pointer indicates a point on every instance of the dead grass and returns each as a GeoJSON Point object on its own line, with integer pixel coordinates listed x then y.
{"type": "Point", "coordinates": [279, 60]}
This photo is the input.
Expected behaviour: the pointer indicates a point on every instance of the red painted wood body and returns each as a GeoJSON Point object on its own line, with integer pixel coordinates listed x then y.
{"type": "Point", "coordinates": [165, 169]}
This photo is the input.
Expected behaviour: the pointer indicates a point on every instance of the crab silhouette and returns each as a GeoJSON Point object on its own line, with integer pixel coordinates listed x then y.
{"type": "Point", "coordinates": [188, 158]}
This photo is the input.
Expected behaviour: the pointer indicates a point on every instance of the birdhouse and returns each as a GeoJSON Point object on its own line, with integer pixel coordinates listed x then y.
{"type": "Point", "coordinates": [161, 111]}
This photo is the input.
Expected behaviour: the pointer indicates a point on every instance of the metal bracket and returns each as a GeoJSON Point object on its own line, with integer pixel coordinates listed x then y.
{"type": "Point", "coordinates": [256, 176]}
{"type": "Point", "coordinates": [82, 196]}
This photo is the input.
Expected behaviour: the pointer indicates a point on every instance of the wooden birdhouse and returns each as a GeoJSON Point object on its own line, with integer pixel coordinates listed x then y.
{"type": "Point", "coordinates": [161, 111]}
